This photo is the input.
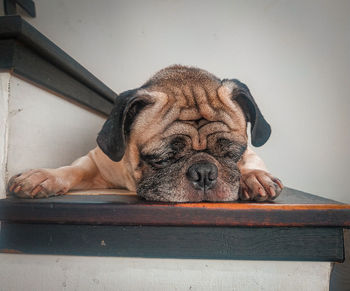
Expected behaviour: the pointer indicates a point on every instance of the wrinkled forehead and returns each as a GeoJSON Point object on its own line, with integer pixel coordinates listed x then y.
{"type": "Point", "coordinates": [193, 110]}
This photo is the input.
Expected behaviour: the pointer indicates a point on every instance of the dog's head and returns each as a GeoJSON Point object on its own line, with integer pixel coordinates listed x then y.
{"type": "Point", "coordinates": [182, 134]}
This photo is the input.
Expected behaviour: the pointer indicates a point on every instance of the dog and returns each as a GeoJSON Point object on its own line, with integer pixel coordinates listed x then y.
{"type": "Point", "coordinates": [181, 137]}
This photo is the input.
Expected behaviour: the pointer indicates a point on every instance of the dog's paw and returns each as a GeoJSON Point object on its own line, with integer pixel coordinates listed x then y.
{"type": "Point", "coordinates": [259, 185]}
{"type": "Point", "coordinates": [39, 183]}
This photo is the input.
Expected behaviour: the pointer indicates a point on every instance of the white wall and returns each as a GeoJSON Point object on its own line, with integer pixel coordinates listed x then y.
{"type": "Point", "coordinates": [294, 56]}
{"type": "Point", "coordinates": [4, 112]}
{"type": "Point", "coordinates": [39, 129]}
{"type": "Point", "coordinates": [55, 273]}
{"type": "Point", "coordinates": [46, 130]}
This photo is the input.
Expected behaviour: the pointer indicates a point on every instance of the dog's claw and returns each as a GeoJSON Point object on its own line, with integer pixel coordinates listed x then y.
{"type": "Point", "coordinates": [36, 190]}
{"type": "Point", "coordinates": [17, 189]}
{"type": "Point", "coordinates": [38, 183]}
{"type": "Point", "coordinates": [278, 182]}
{"type": "Point", "coordinates": [12, 187]}
{"type": "Point", "coordinates": [259, 185]}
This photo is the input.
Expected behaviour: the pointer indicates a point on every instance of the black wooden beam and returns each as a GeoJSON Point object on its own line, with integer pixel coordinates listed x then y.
{"type": "Point", "coordinates": [26, 63]}
{"type": "Point", "coordinates": [27, 5]}
{"type": "Point", "coordinates": [239, 243]}
{"type": "Point", "coordinates": [29, 54]}
{"type": "Point", "coordinates": [10, 7]}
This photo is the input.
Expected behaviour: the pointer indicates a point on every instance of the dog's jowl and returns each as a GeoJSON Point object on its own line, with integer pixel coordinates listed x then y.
{"type": "Point", "coordinates": [180, 137]}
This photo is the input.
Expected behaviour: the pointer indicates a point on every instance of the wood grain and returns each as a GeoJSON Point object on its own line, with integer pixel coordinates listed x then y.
{"type": "Point", "coordinates": [271, 243]}
{"type": "Point", "coordinates": [293, 208]}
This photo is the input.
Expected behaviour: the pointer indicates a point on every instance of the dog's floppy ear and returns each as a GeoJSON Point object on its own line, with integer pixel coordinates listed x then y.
{"type": "Point", "coordinates": [260, 129]}
{"type": "Point", "coordinates": [112, 138]}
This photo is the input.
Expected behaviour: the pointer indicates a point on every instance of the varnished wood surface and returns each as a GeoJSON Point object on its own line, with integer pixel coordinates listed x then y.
{"type": "Point", "coordinates": [292, 208]}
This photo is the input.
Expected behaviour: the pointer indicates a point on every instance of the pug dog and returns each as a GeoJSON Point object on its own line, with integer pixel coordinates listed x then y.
{"type": "Point", "coordinates": [181, 137]}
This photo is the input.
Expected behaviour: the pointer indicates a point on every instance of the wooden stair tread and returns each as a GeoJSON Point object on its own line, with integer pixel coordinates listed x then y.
{"type": "Point", "coordinates": [121, 207]}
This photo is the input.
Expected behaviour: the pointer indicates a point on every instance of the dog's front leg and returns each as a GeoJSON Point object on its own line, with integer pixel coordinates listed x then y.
{"type": "Point", "coordinates": [256, 182]}
{"type": "Point", "coordinates": [38, 183]}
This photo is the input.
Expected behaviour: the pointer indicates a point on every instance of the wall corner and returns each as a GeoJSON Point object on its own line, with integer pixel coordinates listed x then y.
{"type": "Point", "coordinates": [4, 129]}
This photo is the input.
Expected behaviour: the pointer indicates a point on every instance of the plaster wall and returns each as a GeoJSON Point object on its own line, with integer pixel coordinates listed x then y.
{"type": "Point", "coordinates": [39, 129]}
{"type": "Point", "coordinates": [27, 272]}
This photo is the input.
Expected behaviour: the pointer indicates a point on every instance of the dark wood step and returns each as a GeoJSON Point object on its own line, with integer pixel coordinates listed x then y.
{"type": "Point", "coordinates": [297, 226]}
{"type": "Point", "coordinates": [292, 208]}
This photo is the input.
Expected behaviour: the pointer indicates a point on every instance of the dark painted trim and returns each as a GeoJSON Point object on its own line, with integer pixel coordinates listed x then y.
{"type": "Point", "coordinates": [292, 208]}
{"type": "Point", "coordinates": [27, 64]}
{"type": "Point", "coordinates": [28, 53]}
{"type": "Point", "coordinates": [283, 243]}
{"type": "Point", "coordinates": [27, 5]}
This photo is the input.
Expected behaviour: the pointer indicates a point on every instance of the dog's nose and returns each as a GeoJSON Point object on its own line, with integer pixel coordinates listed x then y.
{"type": "Point", "coordinates": [203, 175]}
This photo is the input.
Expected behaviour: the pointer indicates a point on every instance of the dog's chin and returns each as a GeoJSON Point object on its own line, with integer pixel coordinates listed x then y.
{"type": "Point", "coordinates": [220, 193]}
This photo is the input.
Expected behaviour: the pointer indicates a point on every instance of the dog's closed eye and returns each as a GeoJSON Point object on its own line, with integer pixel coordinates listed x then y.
{"type": "Point", "coordinates": [229, 149]}
{"type": "Point", "coordinates": [159, 161]}
{"type": "Point", "coordinates": [178, 144]}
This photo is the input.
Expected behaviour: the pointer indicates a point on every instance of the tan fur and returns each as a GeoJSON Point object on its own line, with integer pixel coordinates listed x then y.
{"type": "Point", "coordinates": [185, 101]}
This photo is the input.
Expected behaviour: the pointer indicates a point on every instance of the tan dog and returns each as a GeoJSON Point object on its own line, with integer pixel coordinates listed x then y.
{"type": "Point", "coordinates": [180, 137]}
